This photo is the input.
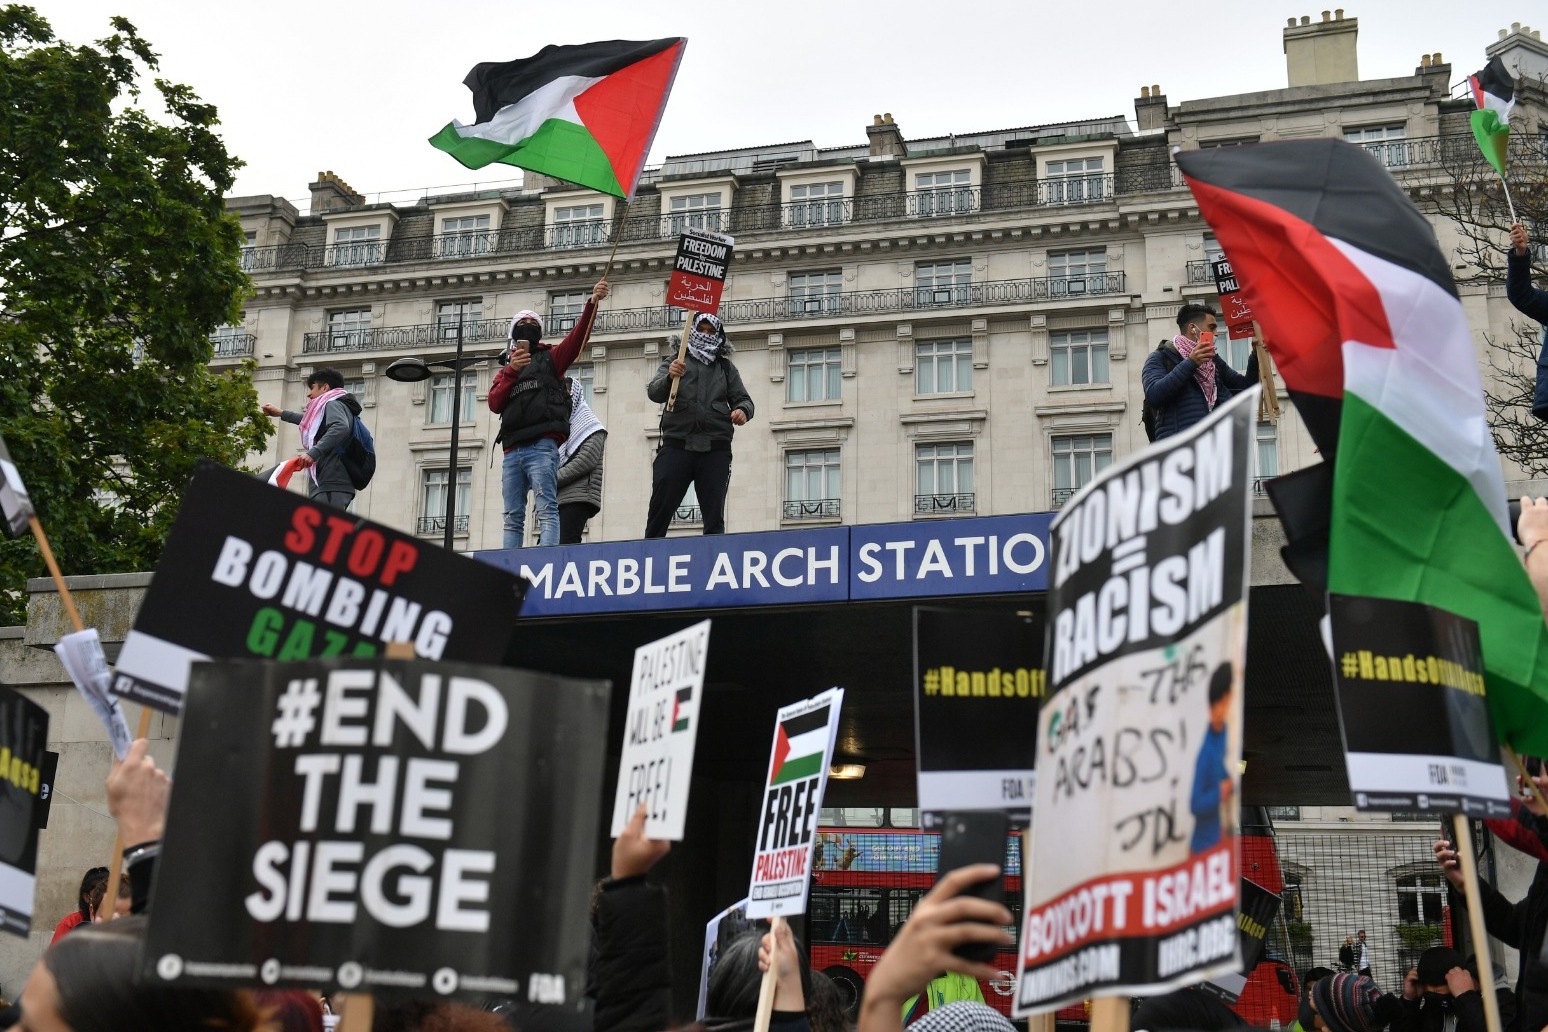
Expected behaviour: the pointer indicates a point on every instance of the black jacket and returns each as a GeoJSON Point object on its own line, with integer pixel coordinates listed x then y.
{"type": "Point", "coordinates": [701, 419]}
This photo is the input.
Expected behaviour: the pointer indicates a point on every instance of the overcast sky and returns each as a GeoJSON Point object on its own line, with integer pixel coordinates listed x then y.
{"type": "Point", "coordinates": [357, 87]}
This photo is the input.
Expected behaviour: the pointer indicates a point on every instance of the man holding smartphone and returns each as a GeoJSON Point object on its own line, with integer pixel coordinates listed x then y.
{"type": "Point", "coordinates": [1185, 379]}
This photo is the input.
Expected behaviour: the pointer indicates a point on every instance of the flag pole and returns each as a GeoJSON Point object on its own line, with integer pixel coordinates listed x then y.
{"type": "Point", "coordinates": [53, 570]}
{"type": "Point", "coordinates": [1508, 202]}
{"type": "Point", "coordinates": [617, 236]}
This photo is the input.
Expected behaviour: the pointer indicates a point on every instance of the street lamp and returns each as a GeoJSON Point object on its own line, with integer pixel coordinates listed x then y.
{"type": "Point", "coordinates": [414, 370]}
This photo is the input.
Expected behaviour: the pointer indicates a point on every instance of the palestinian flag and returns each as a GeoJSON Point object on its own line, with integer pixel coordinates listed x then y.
{"type": "Point", "coordinates": [800, 746]}
{"type": "Point", "coordinates": [1362, 317]}
{"type": "Point", "coordinates": [679, 715]}
{"type": "Point", "coordinates": [1494, 91]}
{"type": "Point", "coordinates": [586, 114]}
{"type": "Point", "coordinates": [280, 475]}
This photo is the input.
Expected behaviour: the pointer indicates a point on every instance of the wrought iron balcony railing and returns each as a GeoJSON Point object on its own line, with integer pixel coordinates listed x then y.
{"type": "Point", "coordinates": [437, 525]}
{"type": "Point", "coordinates": [233, 345]}
{"type": "Point", "coordinates": [1062, 495]}
{"type": "Point", "coordinates": [1199, 272]}
{"type": "Point", "coordinates": [929, 504]}
{"type": "Point", "coordinates": [420, 335]}
{"type": "Point", "coordinates": [815, 509]}
{"type": "Point", "coordinates": [688, 514]}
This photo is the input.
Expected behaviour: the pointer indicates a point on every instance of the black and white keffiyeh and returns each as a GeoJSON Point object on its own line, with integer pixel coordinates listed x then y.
{"type": "Point", "coordinates": [705, 346]}
{"type": "Point", "coordinates": [963, 1016]}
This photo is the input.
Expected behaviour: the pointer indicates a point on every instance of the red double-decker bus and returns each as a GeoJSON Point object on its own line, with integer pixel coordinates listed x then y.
{"type": "Point", "coordinates": [866, 881]}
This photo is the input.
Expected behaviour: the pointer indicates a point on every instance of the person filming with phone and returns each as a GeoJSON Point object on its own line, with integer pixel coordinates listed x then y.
{"type": "Point", "coordinates": [1185, 379]}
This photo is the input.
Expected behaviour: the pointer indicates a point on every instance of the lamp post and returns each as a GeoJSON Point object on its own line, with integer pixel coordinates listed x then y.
{"type": "Point", "coordinates": [414, 370]}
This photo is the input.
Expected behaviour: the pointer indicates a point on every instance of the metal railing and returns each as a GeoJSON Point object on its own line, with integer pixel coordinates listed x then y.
{"type": "Point", "coordinates": [437, 525]}
{"type": "Point", "coordinates": [1199, 272]}
{"type": "Point", "coordinates": [1062, 495]}
{"type": "Point", "coordinates": [927, 504]}
{"type": "Point", "coordinates": [233, 345]}
{"type": "Point", "coordinates": [420, 335]}
{"type": "Point", "coordinates": [815, 509]}
{"type": "Point", "coordinates": [688, 514]}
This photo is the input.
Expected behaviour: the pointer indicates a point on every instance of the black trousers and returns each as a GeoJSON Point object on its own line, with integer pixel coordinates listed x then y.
{"type": "Point", "coordinates": [675, 468]}
{"type": "Point", "coordinates": [573, 517]}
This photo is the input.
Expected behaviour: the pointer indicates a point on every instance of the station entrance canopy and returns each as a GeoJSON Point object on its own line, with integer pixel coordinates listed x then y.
{"type": "Point", "coordinates": [796, 611]}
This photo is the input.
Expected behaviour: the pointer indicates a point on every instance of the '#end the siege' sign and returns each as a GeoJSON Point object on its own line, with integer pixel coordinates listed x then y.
{"type": "Point", "coordinates": [381, 826]}
{"type": "Point", "coordinates": [252, 572]}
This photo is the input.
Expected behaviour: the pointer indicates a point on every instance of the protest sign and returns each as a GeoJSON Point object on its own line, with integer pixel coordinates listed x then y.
{"type": "Point", "coordinates": [659, 732]}
{"type": "Point", "coordinates": [720, 932]}
{"type": "Point", "coordinates": [1140, 739]}
{"type": "Point", "coordinates": [381, 826]}
{"type": "Point", "coordinates": [699, 270]}
{"type": "Point", "coordinates": [80, 653]}
{"type": "Point", "coordinates": [251, 572]}
{"type": "Point", "coordinates": [804, 733]}
{"type": "Point", "coordinates": [1233, 305]}
{"type": "Point", "coordinates": [978, 681]}
{"type": "Point", "coordinates": [1258, 907]}
{"type": "Point", "coordinates": [23, 736]}
{"type": "Point", "coordinates": [45, 803]}
{"type": "Point", "coordinates": [1426, 664]}
{"type": "Point", "coordinates": [16, 510]}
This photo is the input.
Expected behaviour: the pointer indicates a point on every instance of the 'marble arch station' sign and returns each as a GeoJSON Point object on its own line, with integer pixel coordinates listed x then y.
{"type": "Point", "coordinates": [992, 555]}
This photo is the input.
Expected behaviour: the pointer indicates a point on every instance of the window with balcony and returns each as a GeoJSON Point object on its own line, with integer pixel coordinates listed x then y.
{"type": "Point", "coordinates": [688, 511]}
{"type": "Point", "coordinates": [942, 283]}
{"type": "Point", "coordinates": [349, 329]}
{"type": "Point", "coordinates": [815, 204]}
{"type": "Point", "coordinates": [356, 245]}
{"type": "Point", "coordinates": [579, 225]}
{"type": "Point", "coordinates": [469, 312]}
{"type": "Point", "coordinates": [586, 373]}
{"type": "Point", "coordinates": [1076, 459]}
{"type": "Point", "coordinates": [564, 309]}
{"type": "Point", "coordinates": [1072, 273]}
{"type": "Point", "coordinates": [231, 341]}
{"type": "Point", "coordinates": [943, 193]}
{"type": "Point", "coordinates": [432, 510]}
{"type": "Point", "coordinates": [464, 236]}
{"type": "Point", "coordinates": [943, 366]}
{"type": "Point", "coordinates": [812, 484]}
{"type": "Point", "coordinates": [440, 407]}
{"type": "Point", "coordinates": [1076, 181]}
{"type": "Point", "coordinates": [249, 245]}
{"type": "Point", "coordinates": [813, 374]}
{"type": "Point", "coordinates": [697, 211]}
{"type": "Point", "coordinates": [1386, 142]}
{"type": "Point", "coordinates": [815, 293]}
{"type": "Point", "coordinates": [1078, 357]}
{"type": "Point", "coordinates": [943, 477]}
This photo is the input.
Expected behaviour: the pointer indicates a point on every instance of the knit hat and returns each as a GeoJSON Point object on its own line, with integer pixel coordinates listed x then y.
{"type": "Point", "coordinates": [1436, 961]}
{"type": "Point", "coordinates": [963, 1016]}
{"type": "Point", "coordinates": [1348, 1003]}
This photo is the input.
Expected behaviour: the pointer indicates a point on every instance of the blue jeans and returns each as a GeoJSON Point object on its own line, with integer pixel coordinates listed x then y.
{"type": "Point", "coordinates": [536, 466]}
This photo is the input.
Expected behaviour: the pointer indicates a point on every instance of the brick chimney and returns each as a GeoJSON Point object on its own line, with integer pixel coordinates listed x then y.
{"type": "Point", "coordinates": [1150, 108]}
{"type": "Point", "coordinates": [1435, 64]}
{"type": "Point", "coordinates": [1522, 50]}
{"type": "Point", "coordinates": [1322, 53]}
{"type": "Point", "coordinates": [330, 193]}
{"type": "Point", "coordinates": [885, 138]}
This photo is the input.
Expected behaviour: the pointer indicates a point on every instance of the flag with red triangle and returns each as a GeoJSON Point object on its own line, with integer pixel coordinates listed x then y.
{"type": "Point", "coordinates": [585, 113]}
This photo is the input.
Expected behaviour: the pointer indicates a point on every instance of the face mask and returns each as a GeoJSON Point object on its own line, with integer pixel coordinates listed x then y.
{"type": "Point", "coordinates": [1308, 1016]}
{"type": "Point", "coordinates": [527, 332]}
{"type": "Point", "coordinates": [1441, 1000]}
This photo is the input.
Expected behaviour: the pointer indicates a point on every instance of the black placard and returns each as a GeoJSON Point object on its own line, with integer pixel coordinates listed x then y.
{"type": "Point", "coordinates": [452, 808]}
{"type": "Point", "coordinates": [45, 803]}
{"type": "Point", "coordinates": [1426, 665]}
{"type": "Point", "coordinates": [978, 681]}
{"type": "Point", "coordinates": [251, 571]}
{"type": "Point", "coordinates": [23, 734]}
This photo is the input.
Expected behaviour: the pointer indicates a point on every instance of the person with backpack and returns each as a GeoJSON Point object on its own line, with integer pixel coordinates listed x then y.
{"type": "Point", "coordinates": [1185, 380]}
{"type": "Point", "coordinates": [696, 434]}
{"type": "Point", "coordinates": [327, 428]}
{"type": "Point", "coordinates": [532, 399]}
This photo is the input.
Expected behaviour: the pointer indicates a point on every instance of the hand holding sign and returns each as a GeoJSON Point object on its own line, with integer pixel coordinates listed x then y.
{"type": "Point", "coordinates": [634, 854]}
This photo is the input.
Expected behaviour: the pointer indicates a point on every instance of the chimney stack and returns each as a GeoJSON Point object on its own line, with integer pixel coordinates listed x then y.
{"type": "Point", "coordinates": [1150, 108]}
{"type": "Point", "coordinates": [1322, 53]}
{"type": "Point", "coordinates": [885, 138]}
{"type": "Point", "coordinates": [330, 193]}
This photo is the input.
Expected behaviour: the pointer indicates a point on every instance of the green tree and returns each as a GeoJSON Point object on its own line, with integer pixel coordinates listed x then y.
{"type": "Point", "coordinates": [117, 261]}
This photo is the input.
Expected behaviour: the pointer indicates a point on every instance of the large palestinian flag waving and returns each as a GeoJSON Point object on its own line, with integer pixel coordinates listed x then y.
{"type": "Point", "coordinates": [586, 114]}
{"type": "Point", "coordinates": [1360, 312]}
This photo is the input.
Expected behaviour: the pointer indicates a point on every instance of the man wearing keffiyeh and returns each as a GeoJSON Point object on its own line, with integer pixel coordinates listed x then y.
{"type": "Point", "coordinates": [696, 434]}
{"type": "Point", "coordinates": [326, 426]}
{"type": "Point", "coordinates": [1185, 379]}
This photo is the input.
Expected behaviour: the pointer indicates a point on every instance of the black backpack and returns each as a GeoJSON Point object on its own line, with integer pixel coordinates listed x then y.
{"type": "Point", "coordinates": [359, 455]}
{"type": "Point", "coordinates": [1169, 358]}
